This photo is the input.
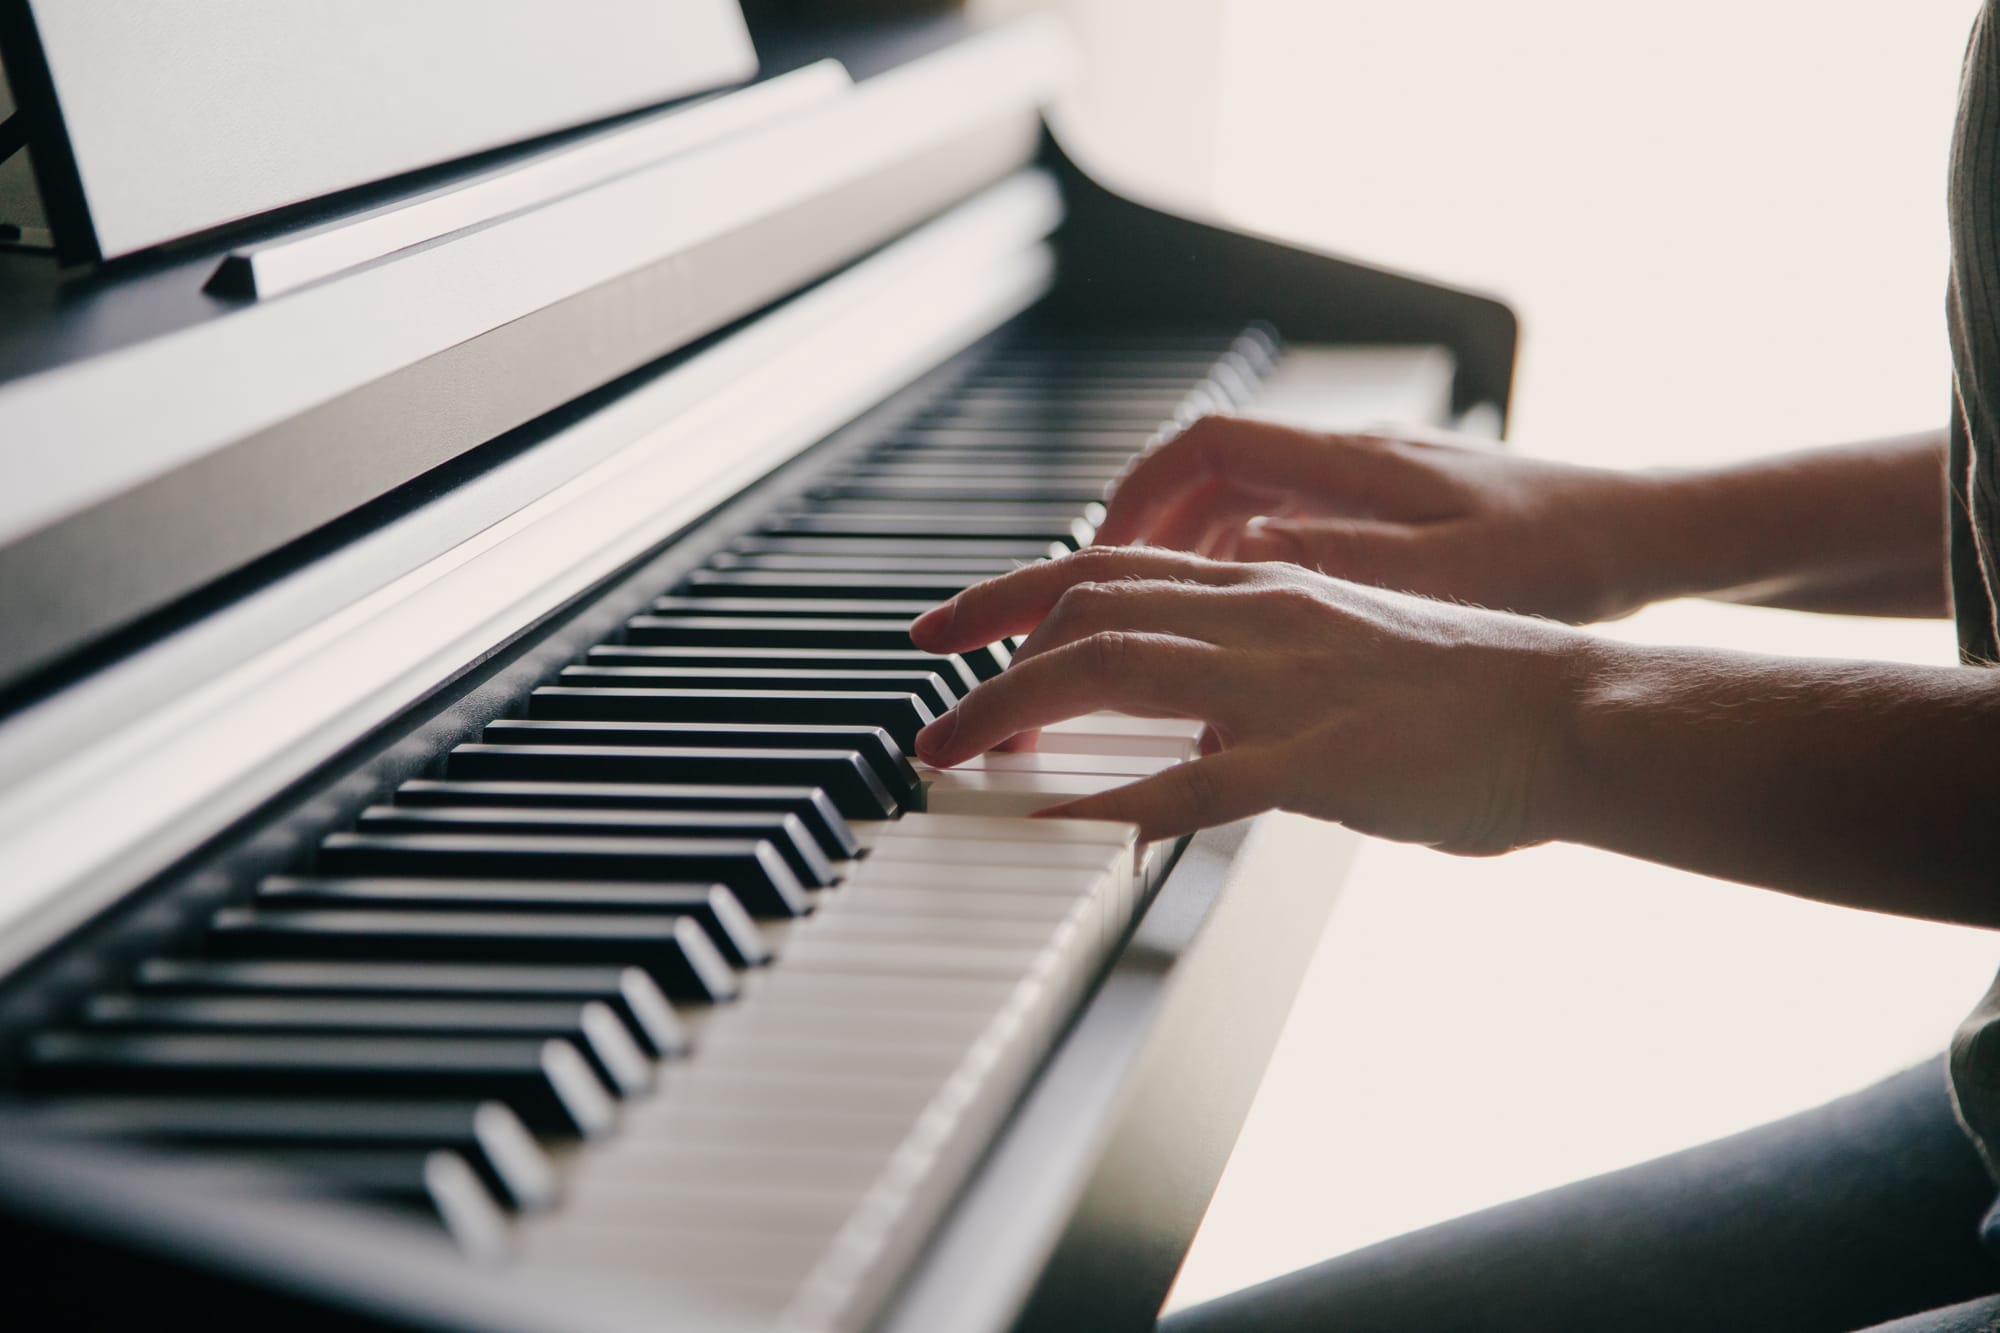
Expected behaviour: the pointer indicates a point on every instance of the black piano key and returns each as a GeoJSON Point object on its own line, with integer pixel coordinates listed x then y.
{"type": "Point", "coordinates": [716, 604]}
{"type": "Point", "coordinates": [915, 549]}
{"type": "Point", "coordinates": [901, 713]}
{"type": "Point", "coordinates": [952, 672]}
{"type": "Point", "coordinates": [809, 805]}
{"type": "Point", "coordinates": [675, 951]}
{"type": "Point", "coordinates": [1072, 532]}
{"type": "Point", "coordinates": [486, 1134]}
{"type": "Point", "coordinates": [801, 851]}
{"type": "Point", "coordinates": [720, 912]}
{"type": "Point", "coordinates": [1165, 372]}
{"type": "Point", "coordinates": [950, 471]}
{"type": "Point", "coordinates": [761, 669]}
{"type": "Point", "coordinates": [1030, 435]}
{"type": "Point", "coordinates": [872, 743]}
{"type": "Point", "coordinates": [929, 588]}
{"type": "Point", "coordinates": [1107, 465]}
{"type": "Point", "coordinates": [847, 778]}
{"type": "Point", "coordinates": [435, 1182]}
{"type": "Point", "coordinates": [970, 568]}
{"type": "Point", "coordinates": [753, 869]}
{"type": "Point", "coordinates": [629, 992]}
{"type": "Point", "coordinates": [1006, 435]}
{"type": "Point", "coordinates": [589, 1026]}
{"type": "Point", "coordinates": [797, 632]}
{"type": "Point", "coordinates": [1139, 404]}
{"type": "Point", "coordinates": [1053, 522]}
{"type": "Point", "coordinates": [547, 1083]}
{"type": "Point", "coordinates": [966, 490]}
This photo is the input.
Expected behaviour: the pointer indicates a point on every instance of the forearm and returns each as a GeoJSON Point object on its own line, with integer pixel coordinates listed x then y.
{"type": "Point", "coordinates": [1865, 784]}
{"type": "Point", "coordinates": [1857, 529]}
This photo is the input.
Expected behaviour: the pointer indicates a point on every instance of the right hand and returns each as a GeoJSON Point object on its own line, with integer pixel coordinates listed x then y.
{"type": "Point", "coordinates": [1409, 719]}
{"type": "Point", "coordinates": [1410, 511]}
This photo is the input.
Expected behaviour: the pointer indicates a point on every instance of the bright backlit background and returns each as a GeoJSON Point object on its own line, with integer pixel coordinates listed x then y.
{"type": "Point", "coordinates": [1722, 225]}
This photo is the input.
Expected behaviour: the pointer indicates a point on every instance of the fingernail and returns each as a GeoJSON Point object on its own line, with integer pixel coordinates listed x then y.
{"type": "Point", "coordinates": [933, 740]}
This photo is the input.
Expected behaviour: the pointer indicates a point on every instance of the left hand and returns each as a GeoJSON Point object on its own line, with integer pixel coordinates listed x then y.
{"type": "Point", "coordinates": [1411, 719]}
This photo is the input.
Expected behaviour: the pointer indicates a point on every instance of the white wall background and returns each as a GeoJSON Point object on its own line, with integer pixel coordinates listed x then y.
{"type": "Point", "coordinates": [1722, 223]}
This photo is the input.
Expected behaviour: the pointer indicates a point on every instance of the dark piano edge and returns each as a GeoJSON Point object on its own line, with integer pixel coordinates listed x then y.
{"type": "Point", "coordinates": [1123, 258]}
{"type": "Point", "coordinates": [182, 1239]}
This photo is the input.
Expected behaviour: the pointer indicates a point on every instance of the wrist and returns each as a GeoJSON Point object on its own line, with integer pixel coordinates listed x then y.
{"type": "Point", "coordinates": [1593, 683]}
{"type": "Point", "coordinates": [1679, 533]}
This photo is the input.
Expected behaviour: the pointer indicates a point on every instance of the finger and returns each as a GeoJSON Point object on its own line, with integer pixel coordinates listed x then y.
{"type": "Point", "coordinates": [1163, 478]}
{"type": "Point", "coordinates": [1218, 540]}
{"type": "Point", "coordinates": [1144, 606]}
{"type": "Point", "coordinates": [1360, 550]}
{"type": "Point", "coordinates": [1210, 741]}
{"type": "Point", "coordinates": [1257, 458]}
{"type": "Point", "coordinates": [1145, 675]}
{"type": "Point", "coordinates": [1015, 603]}
{"type": "Point", "coordinates": [1196, 795]}
{"type": "Point", "coordinates": [1188, 524]}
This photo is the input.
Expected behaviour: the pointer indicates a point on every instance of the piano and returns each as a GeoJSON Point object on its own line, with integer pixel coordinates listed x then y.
{"type": "Point", "coordinates": [461, 866]}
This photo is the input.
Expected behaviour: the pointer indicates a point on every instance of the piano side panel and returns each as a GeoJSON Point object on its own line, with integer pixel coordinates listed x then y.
{"type": "Point", "coordinates": [1230, 980]}
{"type": "Point", "coordinates": [1125, 261]}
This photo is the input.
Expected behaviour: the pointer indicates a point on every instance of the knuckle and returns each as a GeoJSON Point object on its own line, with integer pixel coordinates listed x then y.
{"type": "Point", "coordinates": [1285, 595]}
{"type": "Point", "coordinates": [1076, 606]}
{"type": "Point", "coordinates": [1109, 654]}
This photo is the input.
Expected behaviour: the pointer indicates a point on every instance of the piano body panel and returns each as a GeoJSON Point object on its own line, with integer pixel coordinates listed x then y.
{"type": "Point", "coordinates": [142, 792]}
{"type": "Point", "coordinates": [1125, 259]}
{"type": "Point", "coordinates": [310, 406]}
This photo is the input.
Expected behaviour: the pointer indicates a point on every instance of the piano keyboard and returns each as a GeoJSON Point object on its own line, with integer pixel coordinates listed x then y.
{"type": "Point", "coordinates": [684, 978]}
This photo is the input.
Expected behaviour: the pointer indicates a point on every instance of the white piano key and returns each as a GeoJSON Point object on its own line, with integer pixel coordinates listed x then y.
{"type": "Point", "coordinates": [1124, 724]}
{"type": "Point", "coordinates": [884, 898]}
{"type": "Point", "coordinates": [933, 929]}
{"type": "Point", "coordinates": [1110, 743]}
{"type": "Point", "coordinates": [933, 824]}
{"type": "Point", "coordinates": [1056, 882]}
{"type": "Point", "coordinates": [750, 1203]}
{"type": "Point", "coordinates": [871, 1092]}
{"type": "Point", "coordinates": [835, 990]}
{"type": "Point", "coordinates": [952, 853]}
{"type": "Point", "coordinates": [1041, 761]}
{"type": "Point", "coordinates": [952, 792]}
{"type": "Point", "coordinates": [663, 1165]}
{"type": "Point", "coordinates": [886, 960]}
{"type": "Point", "coordinates": [824, 1118]}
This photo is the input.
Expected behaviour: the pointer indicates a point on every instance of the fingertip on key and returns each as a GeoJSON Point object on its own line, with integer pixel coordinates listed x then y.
{"type": "Point", "coordinates": [928, 629]}
{"type": "Point", "coordinates": [934, 740]}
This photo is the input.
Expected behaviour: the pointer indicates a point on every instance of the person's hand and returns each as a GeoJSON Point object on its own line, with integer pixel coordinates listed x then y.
{"type": "Point", "coordinates": [1407, 718]}
{"type": "Point", "coordinates": [1410, 511]}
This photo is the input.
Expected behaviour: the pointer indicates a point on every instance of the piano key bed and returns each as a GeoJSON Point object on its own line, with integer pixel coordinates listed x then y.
{"type": "Point", "coordinates": [681, 976]}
